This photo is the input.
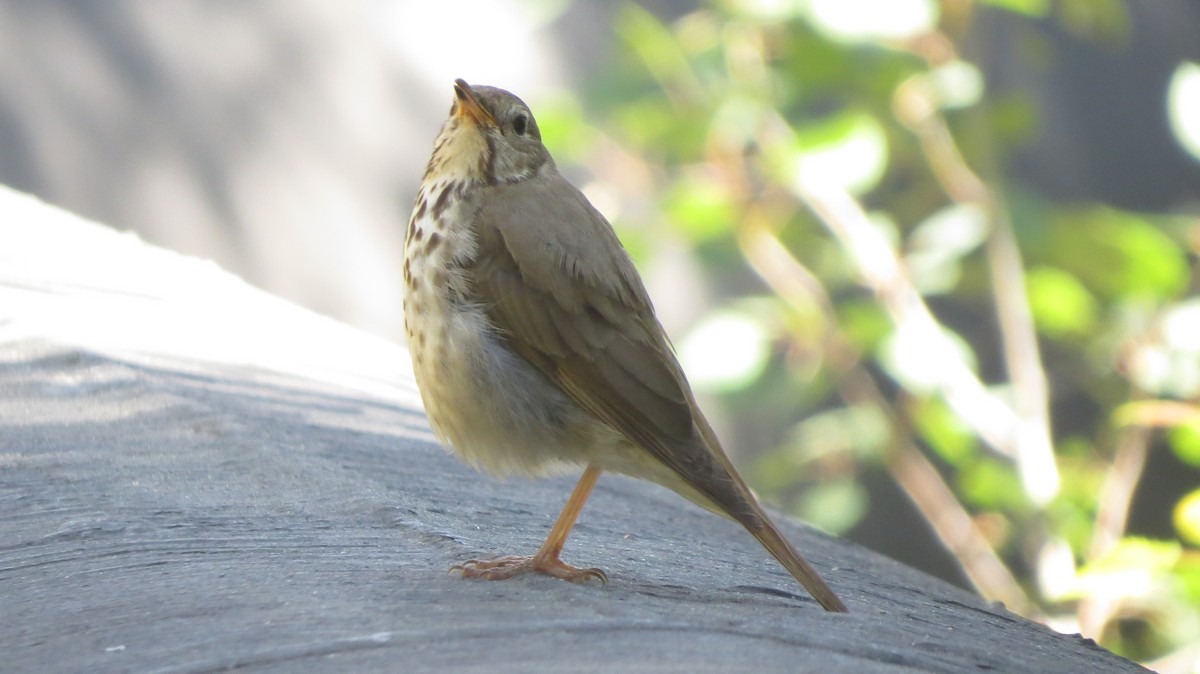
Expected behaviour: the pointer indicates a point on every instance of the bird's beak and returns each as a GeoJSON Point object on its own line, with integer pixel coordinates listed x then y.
{"type": "Point", "coordinates": [467, 105]}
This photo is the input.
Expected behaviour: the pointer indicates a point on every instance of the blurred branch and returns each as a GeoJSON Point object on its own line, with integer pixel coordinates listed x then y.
{"type": "Point", "coordinates": [881, 269]}
{"type": "Point", "coordinates": [1116, 495]}
{"type": "Point", "coordinates": [916, 106]}
{"type": "Point", "coordinates": [919, 479]}
{"type": "Point", "coordinates": [955, 527]}
{"type": "Point", "coordinates": [1157, 413]}
{"type": "Point", "coordinates": [1112, 511]}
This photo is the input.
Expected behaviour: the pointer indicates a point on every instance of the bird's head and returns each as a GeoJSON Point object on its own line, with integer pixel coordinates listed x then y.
{"type": "Point", "coordinates": [491, 137]}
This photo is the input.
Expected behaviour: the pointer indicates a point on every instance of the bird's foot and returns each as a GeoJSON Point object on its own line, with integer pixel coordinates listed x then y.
{"type": "Point", "coordinates": [510, 567]}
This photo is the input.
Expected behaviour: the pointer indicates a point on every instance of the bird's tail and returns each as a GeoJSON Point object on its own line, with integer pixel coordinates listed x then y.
{"type": "Point", "coordinates": [740, 505]}
{"type": "Point", "coordinates": [782, 550]}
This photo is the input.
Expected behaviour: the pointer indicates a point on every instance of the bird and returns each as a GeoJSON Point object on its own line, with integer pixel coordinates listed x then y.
{"type": "Point", "coordinates": [535, 345]}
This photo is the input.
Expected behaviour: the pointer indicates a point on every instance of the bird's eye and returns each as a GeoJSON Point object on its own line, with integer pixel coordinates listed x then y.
{"type": "Point", "coordinates": [520, 124]}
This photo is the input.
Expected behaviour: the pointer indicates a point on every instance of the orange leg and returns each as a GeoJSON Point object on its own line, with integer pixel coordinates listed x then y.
{"type": "Point", "coordinates": [546, 560]}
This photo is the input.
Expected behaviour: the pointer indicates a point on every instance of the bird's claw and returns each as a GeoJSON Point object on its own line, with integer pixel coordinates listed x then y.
{"type": "Point", "coordinates": [503, 568]}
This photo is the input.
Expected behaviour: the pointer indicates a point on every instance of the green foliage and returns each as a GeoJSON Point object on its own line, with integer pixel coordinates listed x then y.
{"type": "Point", "coordinates": [835, 506]}
{"type": "Point", "coordinates": [1029, 7]}
{"type": "Point", "coordinates": [1185, 440]}
{"type": "Point", "coordinates": [737, 122]}
{"type": "Point", "coordinates": [944, 431]}
{"type": "Point", "coordinates": [1062, 307]}
{"type": "Point", "coordinates": [1118, 255]}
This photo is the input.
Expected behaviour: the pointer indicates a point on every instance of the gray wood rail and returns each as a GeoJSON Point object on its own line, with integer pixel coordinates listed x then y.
{"type": "Point", "coordinates": [198, 477]}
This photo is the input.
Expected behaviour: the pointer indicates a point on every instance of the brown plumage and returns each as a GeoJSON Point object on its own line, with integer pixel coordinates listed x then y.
{"type": "Point", "coordinates": [535, 344]}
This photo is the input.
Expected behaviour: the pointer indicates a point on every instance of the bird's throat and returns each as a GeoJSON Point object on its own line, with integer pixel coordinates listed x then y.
{"type": "Point", "coordinates": [460, 155]}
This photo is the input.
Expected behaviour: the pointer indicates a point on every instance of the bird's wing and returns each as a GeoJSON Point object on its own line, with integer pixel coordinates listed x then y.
{"type": "Point", "coordinates": [554, 279]}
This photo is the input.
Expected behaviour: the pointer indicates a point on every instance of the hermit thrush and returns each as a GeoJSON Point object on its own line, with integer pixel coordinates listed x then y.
{"type": "Point", "coordinates": [535, 345]}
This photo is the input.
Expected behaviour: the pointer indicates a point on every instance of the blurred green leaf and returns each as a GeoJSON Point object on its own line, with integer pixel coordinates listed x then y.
{"type": "Point", "coordinates": [1118, 254]}
{"type": "Point", "coordinates": [864, 323]}
{"type": "Point", "coordinates": [654, 44]}
{"type": "Point", "coordinates": [1187, 578]}
{"type": "Point", "coordinates": [1061, 305]}
{"type": "Point", "coordinates": [646, 121]}
{"type": "Point", "coordinates": [872, 20]}
{"type": "Point", "coordinates": [944, 431]}
{"type": "Point", "coordinates": [1013, 117]}
{"type": "Point", "coordinates": [834, 506]}
{"type": "Point", "coordinates": [737, 119]}
{"type": "Point", "coordinates": [767, 10]}
{"type": "Point", "coordinates": [937, 245]}
{"type": "Point", "coordinates": [1099, 20]}
{"type": "Point", "coordinates": [725, 352]}
{"type": "Point", "coordinates": [1027, 7]}
{"type": "Point", "coordinates": [564, 131]}
{"type": "Point", "coordinates": [992, 485]}
{"type": "Point", "coordinates": [848, 149]}
{"type": "Point", "coordinates": [1183, 106]}
{"type": "Point", "coordinates": [919, 360]}
{"type": "Point", "coordinates": [1132, 568]}
{"type": "Point", "coordinates": [957, 84]}
{"type": "Point", "coordinates": [700, 207]}
{"type": "Point", "coordinates": [1161, 371]}
{"type": "Point", "coordinates": [859, 430]}
{"type": "Point", "coordinates": [1181, 326]}
{"type": "Point", "coordinates": [1187, 517]}
{"type": "Point", "coordinates": [1185, 441]}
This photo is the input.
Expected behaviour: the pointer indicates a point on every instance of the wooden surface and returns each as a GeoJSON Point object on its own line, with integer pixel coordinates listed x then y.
{"type": "Point", "coordinates": [197, 477]}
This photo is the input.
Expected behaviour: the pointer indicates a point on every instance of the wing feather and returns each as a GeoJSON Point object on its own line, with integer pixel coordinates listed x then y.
{"type": "Point", "coordinates": [556, 282]}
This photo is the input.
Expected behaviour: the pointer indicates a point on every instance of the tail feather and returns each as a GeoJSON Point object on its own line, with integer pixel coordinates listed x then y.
{"type": "Point", "coordinates": [791, 560]}
{"type": "Point", "coordinates": [740, 505]}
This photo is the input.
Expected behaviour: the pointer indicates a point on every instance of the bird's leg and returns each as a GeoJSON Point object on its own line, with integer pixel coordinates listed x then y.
{"type": "Point", "coordinates": [546, 559]}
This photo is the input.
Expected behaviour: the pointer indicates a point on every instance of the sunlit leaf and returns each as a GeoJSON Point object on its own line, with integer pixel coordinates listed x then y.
{"type": "Point", "coordinates": [1056, 569]}
{"type": "Point", "coordinates": [700, 207]}
{"type": "Point", "coordinates": [737, 119]}
{"type": "Point", "coordinates": [989, 484]}
{"type": "Point", "coordinates": [937, 245]}
{"type": "Point", "coordinates": [725, 351]}
{"type": "Point", "coordinates": [864, 323]}
{"type": "Point", "coordinates": [654, 44]}
{"type": "Point", "coordinates": [1061, 305]}
{"type": "Point", "coordinates": [920, 361]}
{"type": "Point", "coordinates": [1027, 7]}
{"type": "Point", "coordinates": [944, 431]}
{"type": "Point", "coordinates": [1187, 577]}
{"type": "Point", "coordinates": [863, 20]}
{"type": "Point", "coordinates": [1185, 441]}
{"type": "Point", "coordinates": [1132, 568]}
{"type": "Point", "coordinates": [646, 121]}
{"type": "Point", "coordinates": [1183, 106]}
{"type": "Point", "coordinates": [1073, 515]}
{"type": "Point", "coordinates": [563, 129]}
{"type": "Point", "coordinates": [834, 506]}
{"type": "Point", "coordinates": [1162, 371]}
{"type": "Point", "coordinates": [1119, 254]}
{"type": "Point", "coordinates": [773, 10]}
{"type": "Point", "coordinates": [859, 430]}
{"type": "Point", "coordinates": [848, 150]}
{"type": "Point", "coordinates": [1187, 517]}
{"type": "Point", "coordinates": [957, 84]}
{"type": "Point", "coordinates": [1181, 326]}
